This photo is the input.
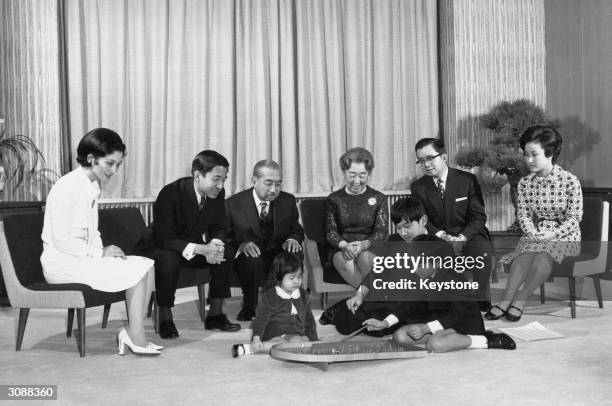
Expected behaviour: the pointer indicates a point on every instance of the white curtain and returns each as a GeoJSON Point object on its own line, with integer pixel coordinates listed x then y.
{"type": "Point", "coordinates": [29, 89]}
{"type": "Point", "coordinates": [298, 81]}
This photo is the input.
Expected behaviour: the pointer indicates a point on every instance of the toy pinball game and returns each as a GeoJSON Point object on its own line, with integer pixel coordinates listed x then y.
{"type": "Point", "coordinates": [330, 352]}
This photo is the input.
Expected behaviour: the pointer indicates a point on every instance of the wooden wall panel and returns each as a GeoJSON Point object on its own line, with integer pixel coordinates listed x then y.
{"type": "Point", "coordinates": [579, 84]}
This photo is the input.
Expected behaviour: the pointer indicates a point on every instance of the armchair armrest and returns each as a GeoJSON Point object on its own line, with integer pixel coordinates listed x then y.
{"type": "Point", "coordinates": [312, 263]}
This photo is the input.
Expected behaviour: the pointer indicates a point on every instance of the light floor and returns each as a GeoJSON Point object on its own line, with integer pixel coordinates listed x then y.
{"type": "Point", "coordinates": [198, 369]}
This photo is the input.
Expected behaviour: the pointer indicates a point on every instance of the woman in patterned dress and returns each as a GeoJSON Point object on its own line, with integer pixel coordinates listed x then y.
{"type": "Point", "coordinates": [356, 218]}
{"type": "Point", "coordinates": [549, 213]}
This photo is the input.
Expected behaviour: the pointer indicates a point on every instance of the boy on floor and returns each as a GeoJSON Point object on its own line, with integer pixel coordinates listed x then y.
{"type": "Point", "coordinates": [384, 312]}
{"type": "Point", "coordinates": [451, 325]}
{"type": "Point", "coordinates": [455, 319]}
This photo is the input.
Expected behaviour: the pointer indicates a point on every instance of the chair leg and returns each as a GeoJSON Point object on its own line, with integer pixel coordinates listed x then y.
{"type": "Point", "coordinates": [324, 296]}
{"type": "Point", "coordinates": [150, 306]}
{"type": "Point", "coordinates": [105, 314]}
{"type": "Point", "coordinates": [23, 319]}
{"type": "Point", "coordinates": [69, 323]}
{"type": "Point", "coordinates": [127, 313]}
{"type": "Point", "coordinates": [81, 326]}
{"type": "Point", "coordinates": [572, 290]}
{"type": "Point", "coordinates": [597, 283]}
{"type": "Point", "coordinates": [155, 312]}
{"type": "Point", "coordinates": [202, 301]}
{"type": "Point", "coordinates": [494, 278]}
{"type": "Point", "coordinates": [542, 293]}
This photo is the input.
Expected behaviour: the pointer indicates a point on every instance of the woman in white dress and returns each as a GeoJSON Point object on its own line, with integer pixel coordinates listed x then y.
{"type": "Point", "coordinates": [72, 247]}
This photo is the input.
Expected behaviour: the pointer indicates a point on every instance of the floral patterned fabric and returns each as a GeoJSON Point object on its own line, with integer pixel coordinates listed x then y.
{"type": "Point", "coordinates": [549, 203]}
{"type": "Point", "coordinates": [356, 217]}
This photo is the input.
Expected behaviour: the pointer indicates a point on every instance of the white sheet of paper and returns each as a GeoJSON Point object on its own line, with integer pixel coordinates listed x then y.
{"type": "Point", "coordinates": [531, 332]}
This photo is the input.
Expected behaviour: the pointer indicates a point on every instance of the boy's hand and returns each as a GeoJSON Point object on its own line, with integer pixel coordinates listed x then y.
{"type": "Point", "coordinates": [354, 302]}
{"type": "Point", "coordinates": [375, 324]}
{"type": "Point", "coordinates": [417, 331]}
{"type": "Point", "coordinates": [256, 344]}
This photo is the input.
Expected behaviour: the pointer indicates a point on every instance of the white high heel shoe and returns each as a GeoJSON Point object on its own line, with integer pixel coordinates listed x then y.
{"type": "Point", "coordinates": [155, 346]}
{"type": "Point", "coordinates": [124, 339]}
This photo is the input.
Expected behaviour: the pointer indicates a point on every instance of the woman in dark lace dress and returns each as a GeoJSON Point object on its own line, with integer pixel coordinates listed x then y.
{"type": "Point", "coordinates": [356, 218]}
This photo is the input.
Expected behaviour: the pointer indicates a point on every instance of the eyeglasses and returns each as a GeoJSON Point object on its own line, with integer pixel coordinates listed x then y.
{"type": "Point", "coordinates": [427, 159]}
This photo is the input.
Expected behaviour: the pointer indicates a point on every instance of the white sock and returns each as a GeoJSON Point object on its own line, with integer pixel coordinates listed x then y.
{"type": "Point", "coordinates": [478, 342]}
{"type": "Point", "coordinates": [244, 349]}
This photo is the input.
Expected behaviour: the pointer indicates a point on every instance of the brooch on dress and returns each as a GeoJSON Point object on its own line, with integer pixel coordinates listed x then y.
{"type": "Point", "coordinates": [372, 201]}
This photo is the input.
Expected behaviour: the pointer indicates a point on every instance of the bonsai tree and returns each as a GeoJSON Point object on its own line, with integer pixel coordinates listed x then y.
{"type": "Point", "coordinates": [19, 157]}
{"type": "Point", "coordinates": [504, 123]}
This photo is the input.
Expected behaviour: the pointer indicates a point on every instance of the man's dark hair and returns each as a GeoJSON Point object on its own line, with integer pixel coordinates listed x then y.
{"type": "Point", "coordinates": [408, 208]}
{"type": "Point", "coordinates": [206, 160]}
{"type": "Point", "coordinates": [436, 143]}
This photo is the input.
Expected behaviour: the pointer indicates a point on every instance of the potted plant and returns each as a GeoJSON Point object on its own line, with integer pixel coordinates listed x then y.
{"type": "Point", "coordinates": [503, 161]}
{"type": "Point", "coordinates": [19, 158]}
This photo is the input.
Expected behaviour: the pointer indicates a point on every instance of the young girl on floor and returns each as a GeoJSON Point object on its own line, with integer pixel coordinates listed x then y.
{"type": "Point", "coordinates": [283, 314]}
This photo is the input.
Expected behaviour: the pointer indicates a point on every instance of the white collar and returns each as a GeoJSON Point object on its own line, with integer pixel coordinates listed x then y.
{"type": "Point", "coordinates": [285, 295]}
{"type": "Point", "coordinates": [443, 177]}
{"type": "Point", "coordinates": [94, 187]}
{"type": "Point", "coordinates": [198, 195]}
{"type": "Point", "coordinates": [258, 201]}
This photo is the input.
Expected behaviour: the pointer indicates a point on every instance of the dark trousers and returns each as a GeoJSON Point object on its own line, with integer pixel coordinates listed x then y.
{"type": "Point", "coordinates": [471, 324]}
{"type": "Point", "coordinates": [167, 268]}
{"type": "Point", "coordinates": [480, 246]}
{"type": "Point", "coordinates": [254, 272]}
{"type": "Point", "coordinates": [347, 322]}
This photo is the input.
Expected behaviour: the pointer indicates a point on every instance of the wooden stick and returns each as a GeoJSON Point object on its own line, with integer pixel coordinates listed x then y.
{"type": "Point", "coordinates": [353, 334]}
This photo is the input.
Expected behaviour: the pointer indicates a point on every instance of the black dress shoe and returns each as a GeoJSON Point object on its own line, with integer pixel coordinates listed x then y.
{"type": "Point", "coordinates": [220, 322]}
{"type": "Point", "coordinates": [489, 315]}
{"type": "Point", "coordinates": [245, 315]}
{"type": "Point", "coordinates": [512, 317]}
{"type": "Point", "coordinates": [500, 341]}
{"type": "Point", "coordinates": [167, 329]}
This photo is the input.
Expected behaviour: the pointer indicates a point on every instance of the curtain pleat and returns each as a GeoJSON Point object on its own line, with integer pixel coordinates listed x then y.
{"type": "Point", "coordinates": [29, 88]}
{"type": "Point", "coordinates": [298, 81]}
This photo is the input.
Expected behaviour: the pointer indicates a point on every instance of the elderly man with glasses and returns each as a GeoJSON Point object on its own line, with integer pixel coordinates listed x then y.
{"type": "Point", "coordinates": [455, 209]}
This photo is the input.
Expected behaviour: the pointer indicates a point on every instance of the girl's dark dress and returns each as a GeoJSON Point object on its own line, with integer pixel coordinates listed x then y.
{"type": "Point", "coordinates": [273, 317]}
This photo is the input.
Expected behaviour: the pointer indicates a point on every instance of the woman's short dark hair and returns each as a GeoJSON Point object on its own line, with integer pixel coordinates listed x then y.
{"type": "Point", "coordinates": [282, 264]}
{"type": "Point", "coordinates": [548, 137]}
{"type": "Point", "coordinates": [357, 155]}
{"type": "Point", "coordinates": [206, 160]}
{"type": "Point", "coordinates": [99, 142]}
{"type": "Point", "coordinates": [408, 208]}
{"type": "Point", "coordinates": [436, 143]}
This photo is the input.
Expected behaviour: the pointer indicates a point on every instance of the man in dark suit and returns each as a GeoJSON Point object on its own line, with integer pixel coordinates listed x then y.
{"type": "Point", "coordinates": [189, 230]}
{"type": "Point", "coordinates": [455, 208]}
{"type": "Point", "coordinates": [261, 222]}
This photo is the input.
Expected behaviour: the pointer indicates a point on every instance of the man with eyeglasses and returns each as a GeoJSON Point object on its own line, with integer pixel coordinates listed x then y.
{"type": "Point", "coordinates": [455, 208]}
